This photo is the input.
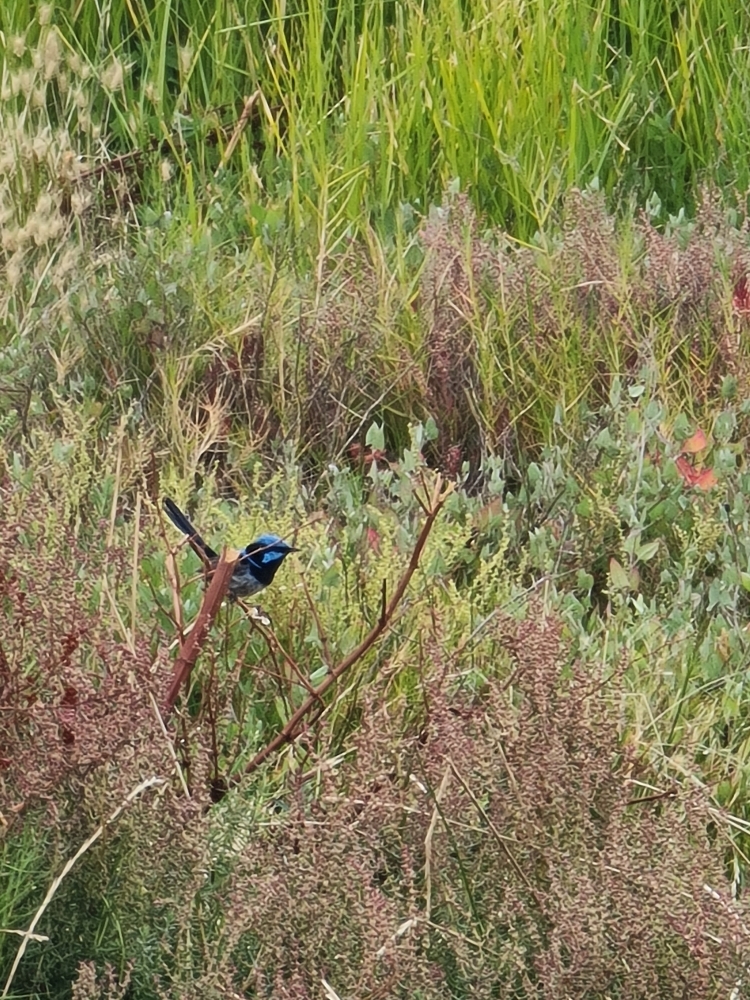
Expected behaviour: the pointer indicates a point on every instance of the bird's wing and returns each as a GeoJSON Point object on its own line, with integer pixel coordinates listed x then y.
{"type": "Point", "coordinates": [180, 521]}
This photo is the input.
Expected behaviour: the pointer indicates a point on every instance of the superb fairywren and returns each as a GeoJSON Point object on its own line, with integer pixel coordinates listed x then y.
{"type": "Point", "coordinates": [257, 563]}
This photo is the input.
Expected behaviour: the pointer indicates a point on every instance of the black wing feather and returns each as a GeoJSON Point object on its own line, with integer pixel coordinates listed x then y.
{"type": "Point", "coordinates": [180, 521]}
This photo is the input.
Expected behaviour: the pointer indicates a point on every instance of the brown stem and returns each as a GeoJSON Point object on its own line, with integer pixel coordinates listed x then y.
{"type": "Point", "coordinates": [191, 647]}
{"type": "Point", "coordinates": [274, 644]}
{"type": "Point", "coordinates": [290, 731]}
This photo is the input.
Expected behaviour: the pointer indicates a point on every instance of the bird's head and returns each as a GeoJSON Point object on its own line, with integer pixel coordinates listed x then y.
{"type": "Point", "coordinates": [265, 555]}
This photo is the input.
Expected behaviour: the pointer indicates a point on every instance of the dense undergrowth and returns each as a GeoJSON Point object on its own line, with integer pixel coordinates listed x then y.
{"type": "Point", "coordinates": [406, 272]}
{"type": "Point", "coordinates": [533, 784]}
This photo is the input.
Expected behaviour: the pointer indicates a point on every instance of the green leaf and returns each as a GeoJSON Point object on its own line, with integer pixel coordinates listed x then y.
{"type": "Point", "coordinates": [618, 575]}
{"type": "Point", "coordinates": [318, 675]}
{"type": "Point", "coordinates": [281, 709]}
{"type": "Point", "coordinates": [348, 639]}
{"type": "Point", "coordinates": [682, 428]}
{"type": "Point", "coordinates": [375, 437]}
{"type": "Point", "coordinates": [725, 426]}
{"type": "Point", "coordinates": [430, 430]}
{"type": "Point", "coordinates": [615, 392]}
{"type": "Point", "coordinates": [647, 551]}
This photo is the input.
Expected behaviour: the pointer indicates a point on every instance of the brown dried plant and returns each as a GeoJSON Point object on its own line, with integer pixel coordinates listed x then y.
{"type": "Point", "coordinates": [346, 377]}
{"type": "Point", "coordinates": [75, 697]}
{"type": "Point", "coordinates": [495, 846]}
{"type": "Point", "coordinates": [507, 327]}
{"type": "Point", "coordinates": [458, 263]}
{"type": "Point", "coordinates": [79, 733]}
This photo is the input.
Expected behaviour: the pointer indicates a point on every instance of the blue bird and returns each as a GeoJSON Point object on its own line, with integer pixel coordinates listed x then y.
{"type": "Point", "coordinates": [257, 563]}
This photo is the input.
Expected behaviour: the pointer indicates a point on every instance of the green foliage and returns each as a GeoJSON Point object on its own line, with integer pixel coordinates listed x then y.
{"type": "Point", "coordinates": [285, 263]}
{"type": "Point", "coordinates": [25, 868]}
{"type": "Point", "coordinates": [665, 640]}
{"type": "Point", "coordinates": [362, 108]}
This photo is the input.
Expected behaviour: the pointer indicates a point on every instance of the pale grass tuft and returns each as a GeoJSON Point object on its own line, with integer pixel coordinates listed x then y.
{"type": "Point", "coordinates": [77, 66]}
{"type": "Point", "coordinates": [12, 238]}
{"type": "Point", "coordinates": [8, 159]}
{"type": "Point", "coordinates": [70, 166]}
{"type": "Point", "coordinates": [23, 82]}
{"type": "Point", "coordinates": [45, 223]}
{"type": "Point", "coordinates": [185, 57]}
{"type": "Point", "coordinates": [52, 55]}
{"type": "Point", "coordinates": [151, 93]}
{"type": "Point", "coordinates": [75, 63]}
{"type": "Point", "coordinates": [14, 268]}
{"type": "Point", "coordinates": [80, 200]}
{"type": "Point", "coordinates": [40, 144]}
{"type": "Point", "coordinates": [112, 77]}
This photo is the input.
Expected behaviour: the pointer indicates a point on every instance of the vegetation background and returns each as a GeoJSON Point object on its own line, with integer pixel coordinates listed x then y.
{"type": "Point", "coordinates": [454, 295]}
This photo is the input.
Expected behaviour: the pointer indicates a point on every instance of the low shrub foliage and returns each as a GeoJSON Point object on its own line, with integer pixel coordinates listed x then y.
{"type": "Point", "coordinates": [531, 785]}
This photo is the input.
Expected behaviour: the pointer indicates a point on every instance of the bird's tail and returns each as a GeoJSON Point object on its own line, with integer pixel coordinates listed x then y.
{"type": "Point", "coordinates": [180, 521]}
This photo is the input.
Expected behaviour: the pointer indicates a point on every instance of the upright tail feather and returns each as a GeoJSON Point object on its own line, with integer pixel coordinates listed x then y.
{"type": "Point", "coordinates": [180, 521]}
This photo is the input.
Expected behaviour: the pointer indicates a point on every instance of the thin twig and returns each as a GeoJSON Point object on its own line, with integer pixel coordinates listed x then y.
{"type": "Point", "coordinates": [29, 934]}
{"type": "Point", "coordinates": [290, 731]}
{"type": "Point", "coordinates": [274, 644]}
{"type": "Point", "coordinates": [170, 745]}
{"type": "Point", "coordinates": [428, 842]}
{"type": "Point", "coordinates": [501, 841]}
{"type": "Point", "coordinates": [239, 128]}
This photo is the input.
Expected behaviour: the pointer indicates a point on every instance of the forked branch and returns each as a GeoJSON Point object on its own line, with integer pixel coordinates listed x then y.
{"type": "Point", "coordinates": [432, 505]}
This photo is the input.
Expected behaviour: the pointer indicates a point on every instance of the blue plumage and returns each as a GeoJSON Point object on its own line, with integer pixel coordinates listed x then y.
{"type": "Point", "coordinates": [258, 561]}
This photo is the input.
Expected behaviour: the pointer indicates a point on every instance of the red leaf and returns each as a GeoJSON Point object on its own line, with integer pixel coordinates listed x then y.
{"type": "Point", "coordinates": [703, 480]}
{"type": "Point", "coordinates": [706, 480]}
{"type": "Point", "coordinates": [686, 470]}
{"type": "Point", "coordinates": [373, 540]}
{"type": "Point", "coordinates": [66, 715]}
{"type": "Point", "coordinates": [741, 297]}
{"type": "Point", "coordinates": [70, 698]}
{"type": "Point", "coordinates": [694, 444]}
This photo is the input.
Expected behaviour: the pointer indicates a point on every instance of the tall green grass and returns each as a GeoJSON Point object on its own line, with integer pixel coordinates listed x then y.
{"type": "Point", "coordinates": [364, 107]}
